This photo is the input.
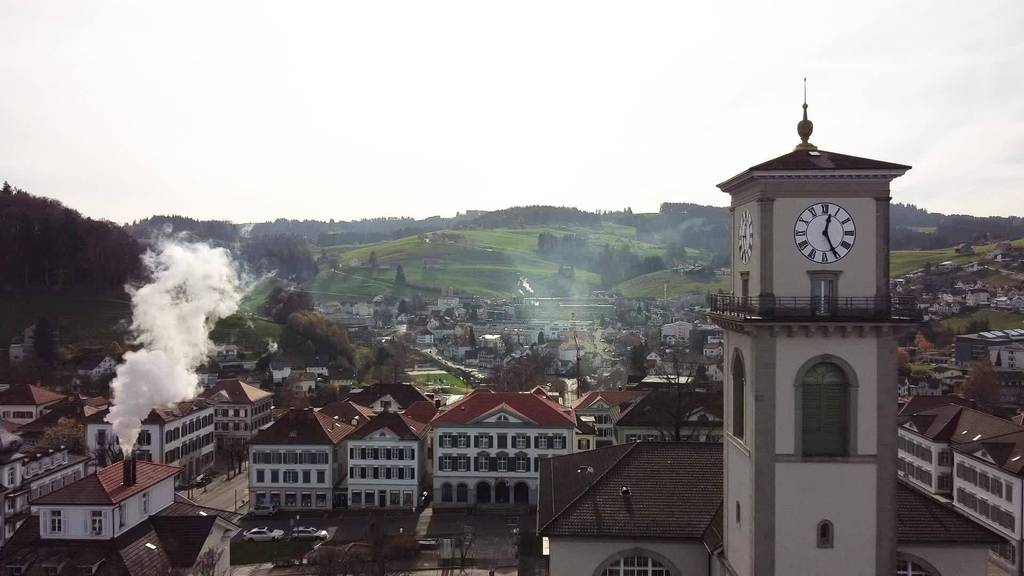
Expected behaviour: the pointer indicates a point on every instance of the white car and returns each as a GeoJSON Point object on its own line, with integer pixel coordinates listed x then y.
{"type": "Point", "coordinates": [308, 533]}
{"type": "Point", "coordinates": [262, 534]}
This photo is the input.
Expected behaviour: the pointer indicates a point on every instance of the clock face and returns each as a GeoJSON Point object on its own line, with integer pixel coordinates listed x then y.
{"type": "Point", "coordinates": [824, 232]}
{"type": "Point", "coordinates": [745, 236]}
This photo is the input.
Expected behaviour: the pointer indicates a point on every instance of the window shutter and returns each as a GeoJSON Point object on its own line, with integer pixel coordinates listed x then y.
{"type": "Point", "coordinates": [536, 464]}
{"type": "Point", "coordinates": [824, 411]}
{"type": "Point", "coordinates": [476, 441]}
{"type": "Point", "coordinates": [494, 463]}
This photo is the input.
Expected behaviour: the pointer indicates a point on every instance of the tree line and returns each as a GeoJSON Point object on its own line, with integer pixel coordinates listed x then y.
{"type": "Point", "coordinates": [49, 246]}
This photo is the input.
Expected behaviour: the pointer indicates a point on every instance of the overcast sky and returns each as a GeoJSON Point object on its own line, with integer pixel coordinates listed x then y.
{"type": "Point", "coordinates": [252, 111]}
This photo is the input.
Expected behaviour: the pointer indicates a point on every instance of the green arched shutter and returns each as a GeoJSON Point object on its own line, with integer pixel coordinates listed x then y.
{"type": "Point", "coordinates": [824, 411]}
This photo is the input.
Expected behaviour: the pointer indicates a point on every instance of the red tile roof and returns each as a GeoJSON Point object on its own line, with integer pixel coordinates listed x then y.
{"type": "Point", "coordinates": [479, 403]}
{"type": "Point", "coordinates": [347, 412]}
{"type": "Point", "coordinates": [611, 397]}
{"type": "Point", "coordinates": [422, 411]}
{"type": "Point", "coordinates": [405, 428]}
{"type": "Point", "coordinates": [236, 392]}
{"type": "Point", "coordinates": [304, 426]}
{"type": "Point", "coordinates": [105, 486]}
{"type": "Point", "coordinates": [29, 395]}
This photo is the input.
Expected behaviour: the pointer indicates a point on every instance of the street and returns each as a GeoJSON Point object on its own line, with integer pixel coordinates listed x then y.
{"type": "Point", "coordinates": [224, 494]}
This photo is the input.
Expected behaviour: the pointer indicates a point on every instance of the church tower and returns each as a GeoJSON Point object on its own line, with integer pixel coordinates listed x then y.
{"type": "Point", "coordinates": [810, 363]}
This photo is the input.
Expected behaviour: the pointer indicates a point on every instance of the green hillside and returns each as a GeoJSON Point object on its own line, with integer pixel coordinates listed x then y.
{"type": "Point", "coordinates": [654, 285]}
{"type": "Point", "coordinates": [905, 261]}
{"type": "Point", "coordinates": [488, 263]}
{"type": "Point", "coordinates": [82, 317]}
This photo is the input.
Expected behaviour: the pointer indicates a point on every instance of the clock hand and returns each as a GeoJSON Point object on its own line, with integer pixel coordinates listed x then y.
{"type": "Point", "coordinates": [824, 232]}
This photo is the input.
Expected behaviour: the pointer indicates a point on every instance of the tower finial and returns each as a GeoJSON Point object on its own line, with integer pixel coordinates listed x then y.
{"type": "Point", "coordinates": [805, 127]}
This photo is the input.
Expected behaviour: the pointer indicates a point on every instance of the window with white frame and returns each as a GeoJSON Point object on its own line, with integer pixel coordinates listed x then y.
{"type": "Point", "coordinates": [291, 476]}
{"type": "Point", "coordinates": [463, 441]}
{"type": "Point", "coordinates": [56, 522]}
{"type": "Point", "coordinates": [522, 441]}
{"type": "Point", "coordinates": [96, 523]}
{"type": "Point", "coordinates": [909, 568]}
{"type": "Point", "coordinates": [522, 463]}
{"type": "Point", "coordinates": [636, 566]}
{"type": "Point", "coordinates": [446, 463]}
{"type": "Point", "coordinates": [463, 463]}
{"type": "Point", "coordinates": [542, 443]}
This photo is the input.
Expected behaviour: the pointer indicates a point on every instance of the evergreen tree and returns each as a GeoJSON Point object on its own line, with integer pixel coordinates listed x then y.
{"type": "Point", "coordinates": [400, 275]}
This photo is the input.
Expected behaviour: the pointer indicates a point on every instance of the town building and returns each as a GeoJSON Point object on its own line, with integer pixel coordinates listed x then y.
{"type": "Point", "coordinates": [488, 447]}
{"type": "Point", "coordinates": [972, 347]}
{"type": "Point", "coordinates": [27, 473]}
{"type": "Point", "coordinates": [181, 435]}
{"type": "Point", "coordinates": [23, 403]}
{"type": "Point", "coordinates": [240, 410]}
{"type": "Point", "coordinates": [386, 462]}
{"type": "Point", "coordinates": [665, 413]}
{"type": "Point", "coordinates": [387, 397]}
{"type": "Point", "coordinates": [605, 406]}
{"type": "Point", "coordinates": [124, 519]}
{"type": "Point", "coordinates": [298, 462]}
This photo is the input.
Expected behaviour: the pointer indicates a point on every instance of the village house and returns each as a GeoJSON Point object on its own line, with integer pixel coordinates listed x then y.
{"type": "Point", "coordinates": [298, 463]}
{"type": "Point", "coordinates": [488, 447]}
{"type": "Point", "coordinates": [181, 435]}
{"type": "Point", "coordinates": [23, 403]}
{"type": "Point", "coordinates": [240, 410]}
{"type": "Point", "coordinates": [387, 397]}
{"type": "Point", "coordinates": [124, 519]}
{"type": "Point", "coordinates": [676, 332]}
{"type": "Point", "coordinates": [604, 406]}
{"type": "Point", "coordinates": [386, 462]}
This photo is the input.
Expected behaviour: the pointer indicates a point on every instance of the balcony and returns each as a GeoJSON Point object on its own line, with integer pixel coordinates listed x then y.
{"type": "Point", "coordinates": [816, 309]}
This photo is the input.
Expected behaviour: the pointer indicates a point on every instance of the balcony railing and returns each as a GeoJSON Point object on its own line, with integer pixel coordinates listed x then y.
{"type": "Point", "coordinates": [816, 308]}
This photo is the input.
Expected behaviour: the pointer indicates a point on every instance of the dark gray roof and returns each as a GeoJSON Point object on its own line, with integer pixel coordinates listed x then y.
{"type": "Point", "coordinates": [674, 491]}
{"type": "Point", "coordinates": [922, 519]}
{"type": "Point", "coordinates": [824, 160]}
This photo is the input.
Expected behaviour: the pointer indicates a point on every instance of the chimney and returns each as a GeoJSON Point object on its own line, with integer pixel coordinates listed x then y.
{"type": "Point", "coordinates": [128, 469]}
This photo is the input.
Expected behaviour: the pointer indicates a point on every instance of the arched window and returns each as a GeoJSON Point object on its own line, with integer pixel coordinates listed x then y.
{"type": "Point", "coordinates": [446, 492]}
{"type": "Point", "coordinates": [824, 410]}
{"type": "Point", "coordinates": [826, 534]}
{"type": "Point", "coordinates": [636, 566]}
{"type": "Point", "coordinates": [739, 397]}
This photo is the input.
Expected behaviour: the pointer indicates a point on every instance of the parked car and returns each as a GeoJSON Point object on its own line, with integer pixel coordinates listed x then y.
{"type": "Point", "coordinates": [264, 510]}
{"type": "Point", "coordinates": [262, 534]}
{"type": "Point", "coordinates": [308, 533]}
{"type": "Point", "coordinates": [201, 480]}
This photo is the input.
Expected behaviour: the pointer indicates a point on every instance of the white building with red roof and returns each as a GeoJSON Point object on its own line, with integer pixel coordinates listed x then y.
{"type": "Point", "coordinates": [386, 462]}
{"type": "Point", "coordinates": [488, 447]}
{"type": "Point", "coordinates": [23, 403]}
{"type": "Point", "coordinates": [241, 410]}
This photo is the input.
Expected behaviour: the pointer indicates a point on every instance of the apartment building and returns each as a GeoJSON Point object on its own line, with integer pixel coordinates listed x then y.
{"type": "Point", "coordinates": [488, 447]}
{"type": "Point", "coordinates": [298, 463]}
{"type": "Point", "coordinates": [240, 410]}
{"type": "Point", "coordinates": [386, 462]}
{"type": "Point", "coordinates": [181, 435]}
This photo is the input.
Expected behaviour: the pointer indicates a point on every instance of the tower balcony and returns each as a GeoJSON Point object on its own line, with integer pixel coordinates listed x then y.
{"type": "Point", "coordinates": [902, 309]}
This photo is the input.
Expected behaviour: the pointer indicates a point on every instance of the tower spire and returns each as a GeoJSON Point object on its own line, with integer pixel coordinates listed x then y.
{"type": "Point", "coordinates": [805, 127]}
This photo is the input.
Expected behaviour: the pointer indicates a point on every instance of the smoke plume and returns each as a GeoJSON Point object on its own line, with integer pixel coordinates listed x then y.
{"type": "Point", "coordinates": [192, 286]}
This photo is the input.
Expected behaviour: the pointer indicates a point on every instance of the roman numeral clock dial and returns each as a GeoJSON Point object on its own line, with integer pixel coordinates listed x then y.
{"type": "Point", "coordinates": [824, 233]}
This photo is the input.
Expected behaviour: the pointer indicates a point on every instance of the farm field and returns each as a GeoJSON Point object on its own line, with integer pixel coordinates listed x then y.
{"type": "Point", "coordinates": [653, 285]}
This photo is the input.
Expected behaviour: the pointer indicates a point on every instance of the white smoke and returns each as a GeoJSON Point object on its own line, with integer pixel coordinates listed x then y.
{"type": "Point", "coordinates": [192, 286]}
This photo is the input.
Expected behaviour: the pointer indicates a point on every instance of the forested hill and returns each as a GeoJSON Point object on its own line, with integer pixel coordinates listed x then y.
{"type": "Point", "coordinates": [47, 246]}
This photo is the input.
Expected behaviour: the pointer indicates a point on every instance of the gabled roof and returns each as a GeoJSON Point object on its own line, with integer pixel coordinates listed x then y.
{"type": "Point", "coordinates": [672, 490]}
{"type": "Point", "coordinates": [235, 391]}
{"type": "Point", "coordinates": [29, 395]}
{"type": "Point", "coordinates": [163, 415]}
{"type": "Point", "coordinates": [403, 394]}
{"type": "Point", "coordinates": [479, 403]}
{"type": "Point", "coordinates": [304, 426]}
{"type": "Point", "coordinates": [105, 486]}
{"type": "Point", "coordinates": [658, 408]}
{"type": "Point", "coordinates": [610, 397]}
{"type": "Point", "coordinates": [403, 427]}
{"type": "Point", "coordinates": [346, 411]}
{"type": "Point", "coordinates": [921, 519]}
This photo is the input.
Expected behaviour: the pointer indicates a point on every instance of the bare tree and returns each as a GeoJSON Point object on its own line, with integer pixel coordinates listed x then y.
{"type": "Point", "coordinates": [464, 545]}
{"type": "Point", "coordinates": [677, 402]}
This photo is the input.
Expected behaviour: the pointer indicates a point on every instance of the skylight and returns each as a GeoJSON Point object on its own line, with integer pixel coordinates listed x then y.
{"type": "Point", "coordinates": [1015, 458]}
{"type": "Point", "coordinates": [814, 153]}
{"type": "Point", "coordinates": [150, 546]}
{"type": "Point", "coordinates": [976, 437]}
{"type": "Point", "coordinates": [201, 513]}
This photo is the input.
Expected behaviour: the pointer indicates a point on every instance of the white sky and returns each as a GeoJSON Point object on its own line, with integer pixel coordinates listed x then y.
{"type": "Point", "coordinates": [251, 111]}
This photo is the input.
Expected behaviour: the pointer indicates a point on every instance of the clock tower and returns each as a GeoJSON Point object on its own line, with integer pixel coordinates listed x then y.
{"type": "Point", "coordinates": [810, 364]}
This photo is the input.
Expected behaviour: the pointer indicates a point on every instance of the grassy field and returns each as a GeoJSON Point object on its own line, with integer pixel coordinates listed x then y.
{"type": "Point", "coordinates": [997, 319]}
{"type": "Point", "coordinates": [246, 331]}
{"type": "Point", "coordinates": [653, 285]}
{"type": "Point", "coordinates": [85, 318]}
{"type": "Point", "coordinates": [452, 383]}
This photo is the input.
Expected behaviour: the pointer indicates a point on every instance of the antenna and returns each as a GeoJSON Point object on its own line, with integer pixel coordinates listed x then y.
{"type": "Point", "coordinates": [805, 91]}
